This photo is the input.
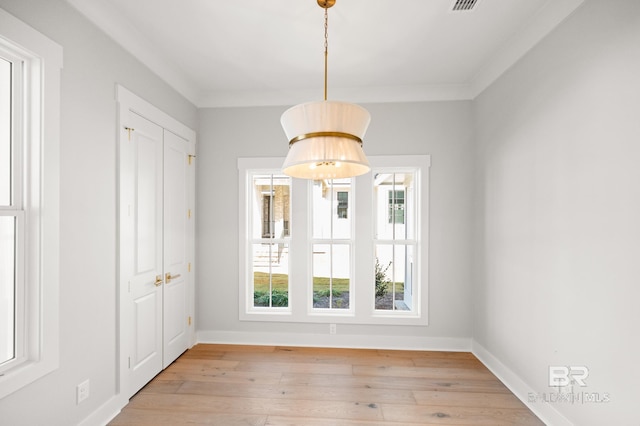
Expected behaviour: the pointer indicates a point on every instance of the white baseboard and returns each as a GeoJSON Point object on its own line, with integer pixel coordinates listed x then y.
{"type": "Point", "coordinates": [454, 344]}
{"type": "Point", "coordinates": [545, 411]}
{"type": "Point", "coordinates": [106, 412]}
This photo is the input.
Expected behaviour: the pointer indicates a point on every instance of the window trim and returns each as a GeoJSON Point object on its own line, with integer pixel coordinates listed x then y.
{"type": "Point", "coordinates": [42, 59]}
{"type": "Point", "coordinates": [364, 311]}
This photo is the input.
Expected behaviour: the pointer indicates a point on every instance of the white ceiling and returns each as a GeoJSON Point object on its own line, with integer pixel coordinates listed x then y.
{"type": "Point", "coordinates": [256, 52]}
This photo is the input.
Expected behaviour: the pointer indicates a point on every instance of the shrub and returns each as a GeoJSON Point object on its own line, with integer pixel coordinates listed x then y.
{"type": "Point", "coordinates": [327, 292]}
{"type": "Point", "coordinates": [278, 298]}
{"type": "Point", "coordinates": [382, 282]}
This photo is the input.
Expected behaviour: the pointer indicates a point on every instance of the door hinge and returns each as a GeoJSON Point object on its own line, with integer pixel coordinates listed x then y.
{"type": "Point", "coordinates": [129, 130]}
{"type": "Point", "coordinates": [189, 320]}
{"type": "Point", "coordinates": [189, 267]}
{"type": "Point", "coordinates": [129, 362]}
{"type": "Point", "coordinates": [189, 213]}
{"type": "Point", "coordinates": [190, 157]}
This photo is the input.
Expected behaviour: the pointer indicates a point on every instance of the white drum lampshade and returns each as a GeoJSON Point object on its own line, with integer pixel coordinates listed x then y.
{"type": "Point", "coordinates": [325, 140]}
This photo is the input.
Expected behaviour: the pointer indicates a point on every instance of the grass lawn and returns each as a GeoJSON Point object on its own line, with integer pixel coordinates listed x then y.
{"type": "Point", "coordinates": [280, 282]}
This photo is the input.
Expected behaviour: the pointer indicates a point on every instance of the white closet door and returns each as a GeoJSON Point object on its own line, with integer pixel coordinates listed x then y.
{"type": "Point", "coordinates": [156, 240]}
{"type": "Point", "coordinates": [143, 185]}
{"type": "Point", "coordinates": [177, 218]}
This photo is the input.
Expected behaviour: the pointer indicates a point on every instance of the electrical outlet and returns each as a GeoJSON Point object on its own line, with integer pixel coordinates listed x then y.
{"type": "Point", "coordinates": [82, 391]}
{"type": "Point", "coordinates": [332, 329]}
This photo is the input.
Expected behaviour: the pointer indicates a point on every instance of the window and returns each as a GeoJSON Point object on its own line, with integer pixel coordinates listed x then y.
{"type": "Point", "coordinates": [395, 239]}
{"type": "Point", "coordinates": [270, 212]}
{"type": "Point", "coordinates": [343, 204]}
{"type": "Point", "coordinates": [304, 258]}
{"type": "Point", "coordinates": [396, 206]}
{"type": "Point", "coordinates": [12, 213]}
{"type": "Point", "coordinates": [331, 244]}
{"type": "Point", "coordinates": [29, 132]}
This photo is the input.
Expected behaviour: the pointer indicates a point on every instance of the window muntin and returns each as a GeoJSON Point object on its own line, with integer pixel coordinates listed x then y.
{"type": "Point", "coordinates": [271, 217]}
{"type": "Point", "coordinates": [394, 198]}
{"type": "Point", "coordinates": [331, 244]}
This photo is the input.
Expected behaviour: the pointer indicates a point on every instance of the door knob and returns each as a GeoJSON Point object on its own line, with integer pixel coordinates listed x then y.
{"type": "Point", "coordinates": [170, 277]}
{"type": "Point", "coordinates": [158, 281]}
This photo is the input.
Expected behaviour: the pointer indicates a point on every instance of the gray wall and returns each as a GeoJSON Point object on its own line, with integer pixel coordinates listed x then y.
{"type": "Point", "coordinates": [93, 64]}
{"type": "Point", "coordinates": [557, 235]}
{"type": "Point", "coordinates": [558, 208]}
{"type": "Point", "coordinates": [441, 129]}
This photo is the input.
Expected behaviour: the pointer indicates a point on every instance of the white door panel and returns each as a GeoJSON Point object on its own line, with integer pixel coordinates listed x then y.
{"type": "Point", "coordinates": [145, 310]}
{"type": "Point", "coordinates": [148, 219]}
{"type": "Point", "coordinates": [175, 319]}
{"type": "Point", "coordinates": [146, 214]}
{"type": "Point", "coordinates": [176, 233]}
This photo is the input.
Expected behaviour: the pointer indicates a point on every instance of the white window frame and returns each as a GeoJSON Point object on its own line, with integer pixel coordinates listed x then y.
{"type": "Point", "coordinates": [413, 240]}
{"type": "Point", "coordinates": [362, 308]}
{"type": "Point", "coordinates": [263, 240]}
{"type": "Point", "coordinates": [40, 142]}
{"type": "Point", "coordinates": [331, 240]}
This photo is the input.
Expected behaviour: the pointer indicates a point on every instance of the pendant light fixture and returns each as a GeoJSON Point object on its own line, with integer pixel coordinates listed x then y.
{"type": "Point", "coordinates": [325, 137]}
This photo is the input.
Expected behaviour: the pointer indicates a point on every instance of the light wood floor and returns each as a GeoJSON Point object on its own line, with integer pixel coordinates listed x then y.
{"type": "Point", "coordinates": [268, 385]}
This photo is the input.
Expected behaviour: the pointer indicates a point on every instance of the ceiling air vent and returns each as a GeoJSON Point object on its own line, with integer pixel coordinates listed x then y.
{"type": "Point", "coordinates": [462, 5]}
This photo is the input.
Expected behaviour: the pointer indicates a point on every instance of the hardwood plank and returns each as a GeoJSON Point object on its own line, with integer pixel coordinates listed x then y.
{"type": "Point", "coordinates": [425, 372]}
{"type": "Point", "coordinates": [163, 386]}
{"type": "Point", "coordinates": [299, 367]}
{"type": "Point", "coordinates": [196, 354]}
{"type": "Point", "coordinates": [328, 393]}
{"type": "Point", "coordinates": [201, 365]}
{"type": "Point", "coordinates": [258, 406]}
{"type": "Point", "coordinates": [310, 351]}
{"type": "Point", "coordinates": [398, 383]}
{"type": "Point", "coordinates": [322, 357]}
{"type": "Point", "coordinates": [143, 417]}
{"type": "Point", "coordinates": [306, 421]}
{"type": "Point", "coordinates": [468, 399]}
{"type": "Point", "coordinates": [224, 377]}
{"type": "Point", "coordinates": [459, 415]}
{"type": "Point", "coordinates": [447, 362]}
{"type": "Point", "coordinates": [425, 354]}
{"type": "Point", "coordinates": [232, 348]}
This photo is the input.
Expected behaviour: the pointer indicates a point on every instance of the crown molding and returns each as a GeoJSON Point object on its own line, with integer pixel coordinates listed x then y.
{"type": "Point", "coordinates": [382, 94]}
{"type": "Point", "coordinates": [548, 17]}
{"type": "Point", "coordinates": [126, 35]}
{"type": "Point", "coordinates": [106, 18]}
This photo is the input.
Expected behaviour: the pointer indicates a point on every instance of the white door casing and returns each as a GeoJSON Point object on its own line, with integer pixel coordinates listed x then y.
{"type": "Point", "coordinates": [156, 241]}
